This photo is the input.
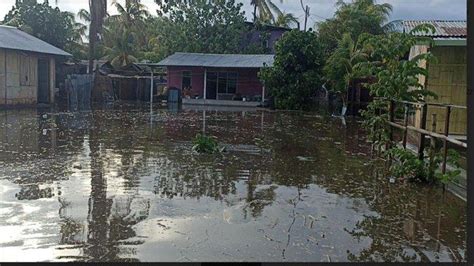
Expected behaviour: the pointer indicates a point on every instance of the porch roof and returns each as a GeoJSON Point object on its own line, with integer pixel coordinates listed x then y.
{"type": "Point", "coordinates": [218, 60]}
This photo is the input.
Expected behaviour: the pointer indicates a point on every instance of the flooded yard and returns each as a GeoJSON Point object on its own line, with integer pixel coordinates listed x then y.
{"type": "Point", "coordinates": [122, 184]}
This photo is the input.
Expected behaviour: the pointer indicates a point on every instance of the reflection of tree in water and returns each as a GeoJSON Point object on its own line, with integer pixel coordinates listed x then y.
{"type": "Point", "coordinates": [110, 220]}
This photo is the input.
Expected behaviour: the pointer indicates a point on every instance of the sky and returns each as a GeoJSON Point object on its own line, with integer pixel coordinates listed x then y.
{"type": "Point", "coordinates": [319, 9]}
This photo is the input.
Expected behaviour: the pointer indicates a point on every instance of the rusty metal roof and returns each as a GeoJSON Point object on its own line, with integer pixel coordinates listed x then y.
{"type": "Point", "coordinates": [443, 28]}
{"type": "Point", "coordinates": [13, 38]}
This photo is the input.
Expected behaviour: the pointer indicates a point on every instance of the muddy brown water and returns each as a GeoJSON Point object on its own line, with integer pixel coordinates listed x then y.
{"type": "Point", "coordinates": [120, 184]}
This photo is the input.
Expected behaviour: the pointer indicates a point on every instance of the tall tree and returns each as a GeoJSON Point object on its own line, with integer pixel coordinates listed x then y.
{"type": "Point", "coordinates": [98, 13]}
{"type": "Point", "coordinates": [355, 17]}
{"type": "Point", "coordinates": [296, 72]}
{"type": "Point", "coordinates": [131, 15]}
{"type": "Point", "coordinates": [201, 26]}
{"type": "Point", "coordinates": [338, 70]}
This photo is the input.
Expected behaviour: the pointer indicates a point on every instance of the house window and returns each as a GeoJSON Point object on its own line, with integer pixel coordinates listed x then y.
{"type": "Point", "coordinates": [27, 71]}
{"type": "Point", "coordinates": [186, 80]}
{"type": "Point", "coordinates": [227, 82]}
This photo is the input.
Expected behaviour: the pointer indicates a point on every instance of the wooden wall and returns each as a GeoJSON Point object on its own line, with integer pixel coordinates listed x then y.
{"type": "Point", "coordinates": [448, 79]}
{"type": "Point", "coordinates": [3, 100]}
{"type": "Point", "coordinates": [19, 77]}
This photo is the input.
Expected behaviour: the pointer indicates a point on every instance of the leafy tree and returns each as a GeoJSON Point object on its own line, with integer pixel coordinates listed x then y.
{"type": "Point", "coordinates": [355, 18]}
{"type": "Point", "coordinates": [47, 23]}
{"type": "Point", "coordinates": [338, 69]}
{"type": "Point", "coordinates": [397, 77]}
{"type": "Point", "coordinates": [296, 72]}
{"type": "Point", "coordinates": [201, 26]}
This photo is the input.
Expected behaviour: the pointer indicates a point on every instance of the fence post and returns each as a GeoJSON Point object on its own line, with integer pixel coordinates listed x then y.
{"type": "Point", "coordinates": [421, 144]}
{"type": "Point", "coordinates": [432, 151]}
{"type": "Point", "coordinates": [405, 124]}
{"type": "Point", "coordinates": [446, 133]}
{"type": "Point", "coordinates": [391, 118]}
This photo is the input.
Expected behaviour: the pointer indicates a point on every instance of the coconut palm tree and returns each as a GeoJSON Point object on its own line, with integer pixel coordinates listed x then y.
{"type": "Point", "coordinates": [119, 49]}
{"type": "Point", "coordinates": [266, 10]}
{"type": "Point", "coordinates": [132, 14]}
{"type": "Point", "coordinates": [286, 20]}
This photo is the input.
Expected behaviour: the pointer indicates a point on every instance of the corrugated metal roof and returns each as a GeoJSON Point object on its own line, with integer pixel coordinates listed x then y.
{"type": "Point", "coordinates": [218, 60]}
{"type": "Point", "coordinates": [13, 38]}
{"type": "Point", "coordinates": [443, 28]}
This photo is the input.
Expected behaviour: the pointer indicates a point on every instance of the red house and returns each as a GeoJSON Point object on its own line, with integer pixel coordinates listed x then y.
{"type": "Point", "coordinates": [221, 79]}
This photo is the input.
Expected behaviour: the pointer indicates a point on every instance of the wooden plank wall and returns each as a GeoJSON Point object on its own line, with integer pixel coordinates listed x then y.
{"type": "Point", "coordinates": [448, 79]}
{"type": "Point", "coordinates": [2, 77]}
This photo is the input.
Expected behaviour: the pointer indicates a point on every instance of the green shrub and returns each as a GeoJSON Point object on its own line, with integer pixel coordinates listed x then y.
{"type": "Point", "coordinates": [408, 165]}
{"type": "Point", "coordinates": [205, 144]}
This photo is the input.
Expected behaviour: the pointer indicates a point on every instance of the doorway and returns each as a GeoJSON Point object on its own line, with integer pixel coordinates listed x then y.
{"type": "Point", "coordinates": [211, 86]}
{"type": "Point", "coordinates": [43, 81]}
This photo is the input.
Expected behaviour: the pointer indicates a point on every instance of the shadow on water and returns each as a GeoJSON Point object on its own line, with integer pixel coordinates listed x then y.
{"type": "Point", "coordinates": [121, 183]}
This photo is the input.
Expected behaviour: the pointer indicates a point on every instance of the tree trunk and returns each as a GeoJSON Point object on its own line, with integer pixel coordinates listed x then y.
{"type": "Point", "coordinates": [255, 13]}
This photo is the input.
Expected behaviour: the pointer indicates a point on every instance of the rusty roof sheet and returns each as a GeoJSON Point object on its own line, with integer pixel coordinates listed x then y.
{"type": "Point", "coordinates": [443, 28]}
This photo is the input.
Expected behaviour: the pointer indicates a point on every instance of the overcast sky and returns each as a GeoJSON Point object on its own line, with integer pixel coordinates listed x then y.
{"type": "Point", "coordinates": [319, 9]}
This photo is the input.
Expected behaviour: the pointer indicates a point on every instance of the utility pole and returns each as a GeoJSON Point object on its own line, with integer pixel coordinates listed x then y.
{"type": "Point", "coordinates": [306, 14]}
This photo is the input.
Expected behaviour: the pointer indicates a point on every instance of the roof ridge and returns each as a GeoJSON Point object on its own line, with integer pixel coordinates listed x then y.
{"type": "Point", "coordinates": [224, 54]}
{"type": "Point", "coordinates": [8, 26]}
{"type": "Point", "coordinates": [436, 20]}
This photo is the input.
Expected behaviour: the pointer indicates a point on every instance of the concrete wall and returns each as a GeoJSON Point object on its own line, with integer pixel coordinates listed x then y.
{"type": "Point", "coordinates": [14, 91]}
{"type": "Point", "coordinates": [248, 83]}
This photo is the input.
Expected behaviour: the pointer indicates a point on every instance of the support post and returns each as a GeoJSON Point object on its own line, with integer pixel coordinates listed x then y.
{"type": "Point", "coordinates": [391, 111]}
{"type": "Point", "coordinates": [205, 83]}
{"type": "Point", "coordinates": [421, 143]}
{"type": "Point", "coordinates": [432, 150]}
{"type": "Point", "coordinates": [405, 124]}
{"type": "Point", "coordinates": [446, 133]}
{"type": "Point", "coordinates": [151, 87]}
{"type": "Point", "coordinates": [263, 95]}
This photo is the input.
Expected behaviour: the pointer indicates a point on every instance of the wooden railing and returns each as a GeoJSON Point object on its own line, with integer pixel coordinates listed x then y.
{"type": "Point", "coordinates": [422, 129]}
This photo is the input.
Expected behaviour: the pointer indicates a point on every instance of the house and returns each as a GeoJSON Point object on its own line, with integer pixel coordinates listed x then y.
{"type": "Point", "coordinates": [27, 68]}
{"type": "Point", "coordinates": [447, 76]}
{"type": "Point", "coordinates": [217, 79]}
{"type": "Point", "coordinates": [262, 35]}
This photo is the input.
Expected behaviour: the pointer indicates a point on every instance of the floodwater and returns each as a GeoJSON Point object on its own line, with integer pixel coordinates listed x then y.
{"type": "Point", "coordinates": [122, 184]}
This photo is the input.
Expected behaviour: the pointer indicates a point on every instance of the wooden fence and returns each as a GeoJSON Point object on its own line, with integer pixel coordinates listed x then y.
{"type": "Point", "coordinates": [422, 129]}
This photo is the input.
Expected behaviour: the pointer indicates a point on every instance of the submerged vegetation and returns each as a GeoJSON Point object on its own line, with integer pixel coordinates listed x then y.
{"type": "Point", "coordinates": [206, 144]}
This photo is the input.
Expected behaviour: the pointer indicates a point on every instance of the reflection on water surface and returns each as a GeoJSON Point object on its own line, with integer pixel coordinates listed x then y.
{"type": "Point", "coordinates": [123, 185]}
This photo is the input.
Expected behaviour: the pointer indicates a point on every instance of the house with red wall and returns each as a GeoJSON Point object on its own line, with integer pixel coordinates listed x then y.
{"type": "Point", "coordinates": [217, 79]}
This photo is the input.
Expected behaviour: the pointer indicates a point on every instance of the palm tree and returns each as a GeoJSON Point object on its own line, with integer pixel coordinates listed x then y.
{"type": "Point", "coordinates": [119, 48]}
{"type": "Point", "coordinates": [286, 20]}
{"type": "Point", "coordinates": [266, 10]}
{"type": "Point", "coordinates": [98, 13]}
{"type": "Point", "coordinates": [340, 67]}
{"type": "Point", "coordinates": [131, 15]}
